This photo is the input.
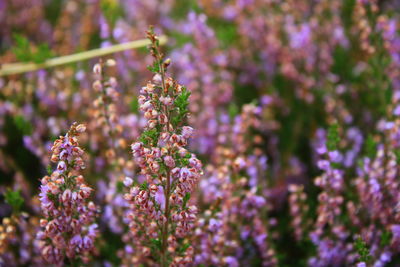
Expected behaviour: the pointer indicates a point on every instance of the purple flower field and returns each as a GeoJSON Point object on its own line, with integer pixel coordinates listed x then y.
{"type": "Point", "coordinates": [200, 133]}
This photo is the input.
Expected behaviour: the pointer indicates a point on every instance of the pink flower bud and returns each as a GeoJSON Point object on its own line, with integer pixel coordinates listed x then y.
{"type": "Point", "coordinates": [91, 206]}
{"type": "Point", "coordinates": [163, 119]}
{"type": "Point", "coordinates": [166, 100]}
{"type": "Point", "coordinates": [136, 146]}
{"type": "Point", "coordinates": [66, 197]}
{"type": "Point", "coordinates": [97, 86]}
{"type": "Point", "coordinates": [174, 138]}
{"type": "Point", "coordinates": [61, 167]}
{"type": "Point", "coordinates": [157, 79]}
{"type": "Point", "coordinates": [128, 197]}
{"type": "Point", "coordinates": [43, 222]}
{"type": "Point", "coordinates": [151, 114]}
{"type": "Point", "coordinates": [151, 124]}
{"type": "Point", "coordinates": [97, 69]}
{"type": "Point", "coordinates": [153, 189]}
{"type": "Point", "coordinates": [111, 62]}
{"type": "Point", "coordinates": [154, 166]}
{"type": "Point", "coordinates": [175, 172]}
{"type": "Point", "coordinates": [146, 105]}
{"type": "Point", "coordinates": [142, 99]}
{"type": "Point", "coordinates": [80, 128]}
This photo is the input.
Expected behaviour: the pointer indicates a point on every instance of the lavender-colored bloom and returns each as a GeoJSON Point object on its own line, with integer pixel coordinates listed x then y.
{"type": "Point", "coordinates": [160, 197]}
{"type": "Point", "coordinates": [64, 204]}
{"type": "Point", "coordinates": [231, 261]}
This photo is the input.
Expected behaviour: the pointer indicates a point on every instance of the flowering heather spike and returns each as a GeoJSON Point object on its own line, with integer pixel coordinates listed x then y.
{"type": "Point", "coordinates": [105, 103]}
{"type": "Point", "coordinates": [298, 210]}
{"type": "Point", "coordinates": [18, 231]}
{"type": "Point", "coordinates": [68, 228]}
{"type": "Point", "coordinates": [329, 232]}
{"type": "Point", "coordinates": [237, 214]}
{"type": "Point", "coordinates": [202, 66]}
{"type": "Point", "coordinates": [108, 123]}
{"type": "Point", "coordinates": [160, 206]}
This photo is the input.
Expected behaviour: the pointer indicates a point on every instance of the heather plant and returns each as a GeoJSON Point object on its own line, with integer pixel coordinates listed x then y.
{"type": "Point", "coordinates": [161, 216]}
{"type": "Point", "coordinates": [234, 229]}
{"type": "Point", "coordinates": [68, 228]}
{"type": "Point", "coordinates": [203, 69]}
{"type": "Point", "coordinates": [295, 107]}
{"type": "Point", "coordinates": [18, 231]}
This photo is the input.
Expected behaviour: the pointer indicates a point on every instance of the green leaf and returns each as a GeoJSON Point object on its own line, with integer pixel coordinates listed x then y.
{"type": "Point", "coordinates": [144, 186]}
{"type": "Point", "coordinates": [23, 51]}
{"type": "Point", "coordinates": [362, 250]}
{"type": "Point", "coordinates": [385, 238]}
{"type": "Point", "coordinates": [233, 110]}
{"type": "Point", "coordinates": [149, 137]}
{"type": "Point", "coordinates": [163, 167]}
{"type": "Point", "coordinates": [155, 68]}
{"type": "Point", "coordinates": [333, 137]}
{"type": "Point", "coordinates": [185, 162]}
{"type": "Point", "coordinates": [21, 48]}
{"type": "Point", "coordinates": [134, 106]}
{"type": "Point", "coordinates": [23, 125]}
{"type": "Point", "coordinates": [14, 199]}
{"type": "Point", "coordinates": [183, 247]}
{"type": "Point", "coordinates": [53, 198]}
{"type": "Point", "coordinates": [112, 10]}
{"type": "Point", "coordinates": [185, 200]}
{"type": "Point", "coordinates": [225, 31]}
{"type": "Point", "coordinates": [49, 169]}
{"type": "Point", "coordinates": [43, 53]}
{"type": "Point", "coordinates": [181, 102]}
{"type": "Point", "coordinates": [156, 243]}
{"type": "Point", "coordinates": [120, 187]}
{"type": "Point", "coordinates": [370, 147]}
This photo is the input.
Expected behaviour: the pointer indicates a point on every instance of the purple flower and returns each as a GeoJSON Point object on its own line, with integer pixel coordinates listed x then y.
{"type": "Point", "coordinates": [396, 111]}
{"type": "Point", "coordinates": [324, 165]}
{"type": "Point", "coordinates": [335, 156]}
{"type": "Point", "coordinates": [76, 240]}
{"type": "Point", "coordinates": [169, 161]}
{"type": "Point", "coordinates": [61, 167]}
{"type": "Point", "coordinates": [231, 261]}
{"type": "Point", "coordinates": [187, 131]}
{"type": "Point", "coordinates": [128, 181]}
{"type": "Point", "coordinates": [160, 197]}
{"type": "Point", "coordinates": [184, 172]}
{"type": "Point", "coordinates": [214, 225]}
{"type": "Point", "coordinates": [396, 231]}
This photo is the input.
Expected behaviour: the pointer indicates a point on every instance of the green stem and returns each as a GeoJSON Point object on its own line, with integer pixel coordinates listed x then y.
{"type": "Point", "coordinates": [165, 230]}
{"type": "Point", "coordinates": [15, 68]}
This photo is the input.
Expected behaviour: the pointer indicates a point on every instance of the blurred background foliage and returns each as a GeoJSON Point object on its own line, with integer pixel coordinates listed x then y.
{"type": "Point", "coordinates": [33, 31]}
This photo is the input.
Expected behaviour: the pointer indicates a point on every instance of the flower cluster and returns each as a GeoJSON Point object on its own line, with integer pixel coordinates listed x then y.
{"type": "Point", "coordinates": [298, 211]}
{"type": "Point", "coordinates": [266, 78]}
{"type": "Point", "coordinates": [329, 233]}
{"type": "Point", "coordinates": [236, 217]}
{"type": "Point", "coordinates": [18, 231]}
{"type": "Point", "coordinates": [105, 103]}
{"type": "Point", "coordinates": [203, 68]}
{"type": "Point", "coordinates": [160, 205]}
{"type": "Point", "coordinates": [68, 228]}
